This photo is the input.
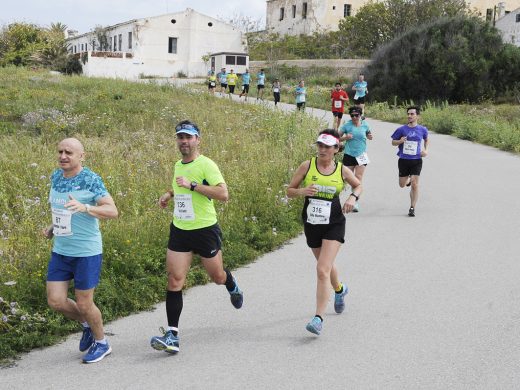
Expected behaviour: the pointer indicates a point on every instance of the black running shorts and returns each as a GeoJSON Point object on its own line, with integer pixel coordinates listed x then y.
{"type": "Point", "coordinates": [409, 167]}
{"type": "Point", "coordinates": [206, 241]}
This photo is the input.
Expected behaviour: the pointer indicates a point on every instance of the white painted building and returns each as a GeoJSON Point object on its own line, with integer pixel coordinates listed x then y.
{"type": "Point", "coordinates": [509, 27]}
{"type": "Point", "coordinates": [295, 17]}
{"type": "Point", "coordinates": [166, 46]}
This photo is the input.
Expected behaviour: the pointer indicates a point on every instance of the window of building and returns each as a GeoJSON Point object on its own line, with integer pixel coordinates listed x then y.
{"type": "Point", "coordinates": [115, 43]}
{"type": "Point", "coordinates": [172, 45]}
{"type": "Point", "coordinates": [489, 14]}
{"type": "Point", "coordinates": [120, 38]}
{"type": "Point", "coordinates": [333, 7]}
{"type": "Point", "coordinates": [282, 13]}
{"type": "Point", "coordinates": [518, 18]}
{"type": "Point", "coordinates": [294, 11]}
{"type": "Point", "coordinates": [241, 60]}
{"type": "Point", "coordinates": [230, 60]}
{"type": "Point", "coordinates": [130, 39]}
{"type": "Point", "coordinates": [347, 10]}
{"type": "Point", "coordinates": [304, 11]}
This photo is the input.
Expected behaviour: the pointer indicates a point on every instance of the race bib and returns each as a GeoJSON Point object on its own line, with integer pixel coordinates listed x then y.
{"type": "Point", "coordinates": [276, 89]}
{"type": "Point", "coordinates": [318, 211]}
{"type": "Point", "coordinates": [183, 207]}
{"type": "Point", "coordinates": [410, 147]}
{"type": "Point", "coordinates": [356, 96]}
{"type": "Point", "coordinates": [362, 159]}
{"type": "Point", "coordinates": [302, 98]}
{"type": "Point", "coordinates": [337, 103]}
{"type": "Point", "coordinates": [61, 222]}
{"type": "Point", "coordinates": [212, 83]}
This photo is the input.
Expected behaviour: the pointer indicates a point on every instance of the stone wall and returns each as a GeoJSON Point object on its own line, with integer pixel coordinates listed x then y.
{"type": "Point", "coordinates": [348, 67]}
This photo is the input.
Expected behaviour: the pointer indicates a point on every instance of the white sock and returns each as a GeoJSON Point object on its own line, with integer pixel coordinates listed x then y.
{"type": "Point", "coordinates": [173, 328]}
{"type": "Point", "coordinates": [85, 324]}
{"type": "Point", "coordinates": [104, 341]}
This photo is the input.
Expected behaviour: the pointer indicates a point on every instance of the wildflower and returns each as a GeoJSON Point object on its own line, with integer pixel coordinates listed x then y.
{"type": "Point", "coordinates": [23, 318]}
{"type": "Point", "coordinates": [13, 311]}
{"type": "Point", "coordinates": [253, 218]}
{"type": "Point", "coordinates": [4, 318]}
{"type": "Point", "coordinates": [13, 304]}
{"type": "Point", "coordinates": [33, 165]}
{"type": "Point", "coordinates": [42, 177]}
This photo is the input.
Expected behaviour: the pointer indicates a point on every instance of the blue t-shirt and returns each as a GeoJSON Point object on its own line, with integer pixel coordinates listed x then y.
{"type": "Point", "coordinates": [260, 78]}
{"type": "Point", "coordinates": [300, 94]}
{"type": "Point", "coordinates": [85, 238]}
{"type": "Point", "coordinates": [361, 88]}
{"type": "Point", "coordinates": [222, 77]}
{"type": "Point", "coordinates": [411, 149]}
{"type": "Point", "coordinates": [246, 78]}
{"type": "Point", "coordinates": [358, 145]}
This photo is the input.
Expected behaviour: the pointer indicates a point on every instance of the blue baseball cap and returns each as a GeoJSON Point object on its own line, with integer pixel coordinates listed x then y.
{"type": "Point", "coordinates": [187, 128]}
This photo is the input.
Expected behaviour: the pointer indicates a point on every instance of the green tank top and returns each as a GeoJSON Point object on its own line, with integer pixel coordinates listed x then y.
{"type": "Point", "coordinates": [329, 186]}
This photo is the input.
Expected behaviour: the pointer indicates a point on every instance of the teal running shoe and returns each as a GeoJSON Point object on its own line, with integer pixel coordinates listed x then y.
{"type": "Point", "coordinates": [339, 300]}
{"type": "Point", "coordinates": [315, 326]}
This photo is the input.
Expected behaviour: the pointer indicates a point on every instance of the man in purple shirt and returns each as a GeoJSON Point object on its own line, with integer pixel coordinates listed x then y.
{"type": "Point", "coordinates": [408, 139]}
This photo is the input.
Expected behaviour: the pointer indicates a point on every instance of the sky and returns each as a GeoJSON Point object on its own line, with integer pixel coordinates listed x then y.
{"type": "Point", "coordinates": [85, 15]}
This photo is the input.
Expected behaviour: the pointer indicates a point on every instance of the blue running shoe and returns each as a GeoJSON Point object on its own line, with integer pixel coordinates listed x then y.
{"type": "Point", "coordinates": [87, 339]}
{"type": "Point", "coordinates": [97, 352]}
{"type": "Point", "coordinates": [167, 343]}
{"type": "Point", "coordinates": [236, 296]}
{"type": "Point", "coordinates": [314, 326]}
{"type": "Point", "coordinates": [339, 300]}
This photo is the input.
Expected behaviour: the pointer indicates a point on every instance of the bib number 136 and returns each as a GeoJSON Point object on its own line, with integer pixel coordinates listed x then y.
{"type": "Point", "coordinates": [184, 207]}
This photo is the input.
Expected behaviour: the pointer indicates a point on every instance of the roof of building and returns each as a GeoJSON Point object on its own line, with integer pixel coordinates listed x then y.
{"type": "Point", "coordinates": [114, 26]}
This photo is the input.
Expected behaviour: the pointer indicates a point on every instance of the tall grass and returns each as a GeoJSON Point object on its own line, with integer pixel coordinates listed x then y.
{"type": "Point", "coordinates": [488, 124]}
{"type": "Point", "coordinates": [128, 133]}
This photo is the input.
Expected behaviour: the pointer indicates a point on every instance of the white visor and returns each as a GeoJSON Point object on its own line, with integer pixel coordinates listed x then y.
{"type": "Point", "coordinates": [327, 139]}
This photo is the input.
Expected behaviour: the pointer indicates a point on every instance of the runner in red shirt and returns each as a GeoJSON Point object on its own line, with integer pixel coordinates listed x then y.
{"type": "Point", "coordinates": [338, 98]}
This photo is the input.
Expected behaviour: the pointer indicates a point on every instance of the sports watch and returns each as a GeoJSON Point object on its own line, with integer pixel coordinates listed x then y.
{"type": "Point", "coordinates": [193, 185]}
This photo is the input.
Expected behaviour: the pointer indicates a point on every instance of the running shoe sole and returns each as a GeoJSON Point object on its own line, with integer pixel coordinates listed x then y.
{"type": "Point", "coordinates": [161, 346]}
{"type": "Point", "coordinates": [108, 352]}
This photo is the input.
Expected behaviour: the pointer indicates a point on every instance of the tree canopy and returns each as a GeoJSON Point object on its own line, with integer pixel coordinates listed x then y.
{"type": "Point", "coordinates": [459, 59]}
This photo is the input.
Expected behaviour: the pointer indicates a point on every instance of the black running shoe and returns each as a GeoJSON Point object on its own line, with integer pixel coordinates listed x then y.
{"type": "Point", "coordinates": [411, 212]}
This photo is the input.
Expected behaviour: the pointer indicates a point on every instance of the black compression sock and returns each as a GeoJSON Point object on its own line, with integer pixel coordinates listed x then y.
{"type": "Point", "coordinates": [230, 283]}
{"type": "Point", "coordinates": [173, 308]}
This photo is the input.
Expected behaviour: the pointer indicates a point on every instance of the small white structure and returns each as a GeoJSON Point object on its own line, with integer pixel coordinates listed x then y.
{"type": "Point", "coordinates": [509, 27]}
{"type": "Point", "coordinates": [239, 62]}
{"type": "Point", "coordinates": [165, 46]}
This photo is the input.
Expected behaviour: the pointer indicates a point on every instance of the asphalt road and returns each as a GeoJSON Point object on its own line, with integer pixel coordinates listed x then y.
{"type": "Point", "coordinates": [434, 300]}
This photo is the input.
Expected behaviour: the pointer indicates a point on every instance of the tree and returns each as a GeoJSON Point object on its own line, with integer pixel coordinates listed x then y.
{"type": "Point", "coordinates": [18, 41]}
{"type": "Point", "coordinates": [243, 22]}
{"type": "Point", "coordinates": [376, 23]}
{"type": "Point", "coordinates": [449, 59]}
{"type": "Point", "coordinates": [55, 52]}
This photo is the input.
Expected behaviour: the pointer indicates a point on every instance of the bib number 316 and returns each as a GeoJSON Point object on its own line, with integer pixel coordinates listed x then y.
{"type": "Point", "coordinates": [318, 212]}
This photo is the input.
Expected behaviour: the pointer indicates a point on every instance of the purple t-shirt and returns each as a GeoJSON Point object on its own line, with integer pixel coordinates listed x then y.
{"type": "Point", "coordinates": [411, 149]}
